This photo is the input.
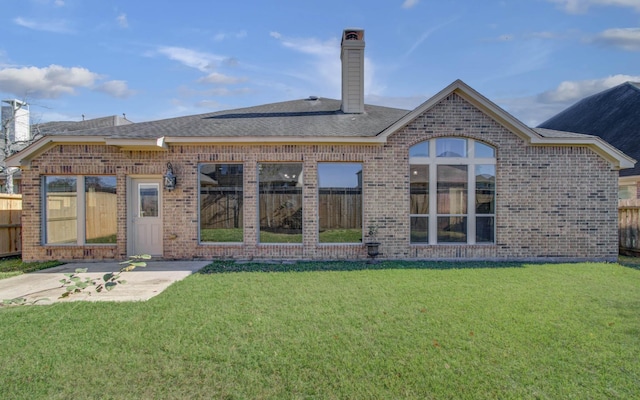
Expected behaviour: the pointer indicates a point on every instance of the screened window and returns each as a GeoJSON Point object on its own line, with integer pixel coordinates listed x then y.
{"type": "Point", "coordinates": [280, 202]}
{"type": "Point", "coordinates": [452, 191]}
{"type": "Point", "coordinates": [340, 202]}
{"type": "Point", "coordinates": [221, 203]}
{"type": "Point", "coordinates": [79, 210]}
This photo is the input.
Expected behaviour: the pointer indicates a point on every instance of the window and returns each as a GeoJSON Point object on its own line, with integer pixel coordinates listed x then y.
{"type": "Point", "coordinates": [280, 202]}
{"type": "Point", "coordinates": [100, 209]}
{"type": "Point", "coordinates": [221, 203]}
{"type": "Point", "coordinates": [452, 191]}
{"type": "Point", "coordinates": [340, 202]}
{"type": "Point", "coordinates": [80, 210]}
{"type": "Point", "coordinates": [626, 192]}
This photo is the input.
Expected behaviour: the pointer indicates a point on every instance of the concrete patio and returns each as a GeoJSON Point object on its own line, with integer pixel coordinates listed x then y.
{"type": "Point", "coordinates": [141, 284]}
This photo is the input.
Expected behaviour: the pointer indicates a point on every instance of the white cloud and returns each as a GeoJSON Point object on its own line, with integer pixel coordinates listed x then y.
{"type": "Point", "coordinates": [310, 45]}
{"type": "Point", "coordinates": [324, 69]}
{"type": "Point", "coordinates": [55, 81]}
{"type": "Point", "coordinates": [221, 79]}
{"type": "Point", "coordinates": [571, 91]}
{"type": "Point", "coordinates": [115, 88]}
{"type": "Point", "coordinates": [59, 3]}
{"type": "Point", "coordinates": [530, 109]}
{"type": "Point", "coordinates": [225, 35]}
{"type": "Point", "coordinates": [624, 38]}
{"type": "Point", "coordinates": [204, 62]}
{"type": "Point", "coordinates": [209, 104]}
{"type": "Point", "coordinates": [425, 35]}
{"type": "Point", "coordinates": [122, 20]}
{"type": "Point", "coordinates": [535, 109]}
{"type": "Point", "coordinates": [185, 92]}
{"type": "Point", "coordinates": [54, 26]}
{"type": "Point", "coordinates": [582, 6]}
{"type": "Point", "coordinates": [47, 82]}
{"type": "Point", "coordinates": [410, 3]}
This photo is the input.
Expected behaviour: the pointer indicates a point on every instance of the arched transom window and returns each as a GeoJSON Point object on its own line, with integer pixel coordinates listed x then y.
{"type": "Point", "coordinates": [452, 190]}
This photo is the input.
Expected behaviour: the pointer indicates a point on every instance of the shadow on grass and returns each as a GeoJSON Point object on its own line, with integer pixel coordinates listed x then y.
{"type": "Point", "coordinates": [218, 267]}
{"type": "Point", "coordinates": [629, 262]}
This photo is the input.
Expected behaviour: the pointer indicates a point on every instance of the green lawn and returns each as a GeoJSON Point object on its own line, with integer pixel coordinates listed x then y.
{"type": "Point", "coordinates": [401, 330]}
{"type": "Point", "coordinates": [12, 266]}
{"type": "Point", "coordinates": [235, 235]}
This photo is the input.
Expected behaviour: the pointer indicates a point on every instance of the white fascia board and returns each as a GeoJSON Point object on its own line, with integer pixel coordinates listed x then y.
{"type": "Point", "coordinates": [24, 157]}
{"type": "Point", "coordinates": [154, 144]}
{"type": "Point", "coordinates": [274, 140]}
{"type": "Point", "coordinates": [604, 149]}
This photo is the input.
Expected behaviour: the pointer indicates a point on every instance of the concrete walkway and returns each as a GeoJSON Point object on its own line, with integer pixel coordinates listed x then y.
{"type": "Point", "coordinates": [142, 283]}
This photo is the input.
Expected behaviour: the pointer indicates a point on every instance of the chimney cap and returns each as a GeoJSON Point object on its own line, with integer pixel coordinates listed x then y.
{"type": "Point", "coordinates": [353, 34]}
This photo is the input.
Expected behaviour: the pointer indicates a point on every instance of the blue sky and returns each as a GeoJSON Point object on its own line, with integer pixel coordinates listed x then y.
{"type": "Point", "coordinates": [161, 59]}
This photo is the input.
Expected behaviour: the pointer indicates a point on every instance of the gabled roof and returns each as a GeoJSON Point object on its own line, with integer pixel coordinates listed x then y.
{"type": "Point", "coordinates": [313, 120]}
{"type": "Point", "coordinates": [613, 115]}
{"type": "Point", "coordinates": [539, 137]}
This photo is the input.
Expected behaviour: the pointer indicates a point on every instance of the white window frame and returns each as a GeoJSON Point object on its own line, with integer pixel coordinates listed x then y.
{"type": "Point", "coordinates": [471, 162]}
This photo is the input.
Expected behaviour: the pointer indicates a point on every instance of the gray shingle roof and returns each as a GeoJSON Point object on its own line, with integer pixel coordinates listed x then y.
{"type": "Point", "coordinates": [309, 118]}
{"type": "Point", "coordinates": [613, 115]}
{"type": "Point", "coordinates": [59, 127]}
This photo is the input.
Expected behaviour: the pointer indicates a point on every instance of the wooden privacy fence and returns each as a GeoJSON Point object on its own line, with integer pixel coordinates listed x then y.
{"type": "Point", "coordinates": [629, 229]}
{"type": "Point", "coordinates": [10, 224]}
{"type": "Point", "coordinates": [100, 211]}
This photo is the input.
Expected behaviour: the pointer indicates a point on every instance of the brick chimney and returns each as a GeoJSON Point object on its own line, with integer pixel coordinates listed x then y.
{"type": "Point", "coordinates": [352, 57]}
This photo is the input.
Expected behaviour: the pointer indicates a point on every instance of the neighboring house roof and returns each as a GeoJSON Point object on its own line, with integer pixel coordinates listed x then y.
{"type": "Point", "coordinates": [303, 121]}
{"type": "Point", "coordinates": [59, 127]}
{"type": "Point", "coordinates": [613, 115]}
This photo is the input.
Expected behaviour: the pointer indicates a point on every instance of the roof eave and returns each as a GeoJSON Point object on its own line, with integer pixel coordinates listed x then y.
{"type": "Point", "coordinates": [153, 144]}
{"type": "Point", "coordinates": [24, 157]}
{"type": "Point", "coordinates": [599, 146]}
{"type": "Point", "coordinates": [275, 140]}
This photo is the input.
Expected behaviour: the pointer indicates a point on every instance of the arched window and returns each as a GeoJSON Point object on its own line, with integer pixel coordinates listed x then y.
{"type": "Point", "coordinates": [452, 191]}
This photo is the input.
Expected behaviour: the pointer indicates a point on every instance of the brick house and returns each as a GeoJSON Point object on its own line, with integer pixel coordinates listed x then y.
{"type": "Point", "coordinates": [455, 178]}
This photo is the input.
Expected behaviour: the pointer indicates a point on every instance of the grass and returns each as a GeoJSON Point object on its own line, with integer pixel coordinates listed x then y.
{"type": "Point", "coordinates": [12, 266]}
{"type": "Point", "coordinates": [340, 236]}
{"type": "Point", "coordinates": [236, 235]}
{"type": "Point", "coordinates": [402, 330]}
{"type": "Point", "coordinates": [221, 235]}
{"type": "Point", "coordinates": [109, 239]}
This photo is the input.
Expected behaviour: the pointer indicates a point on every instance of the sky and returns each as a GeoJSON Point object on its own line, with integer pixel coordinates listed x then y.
{"type": "Point", "coordinates": [162, 59]}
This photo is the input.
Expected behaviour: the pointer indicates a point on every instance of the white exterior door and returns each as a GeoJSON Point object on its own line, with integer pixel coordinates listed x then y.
{"type": "Point", "coordinates": [146, 217]}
